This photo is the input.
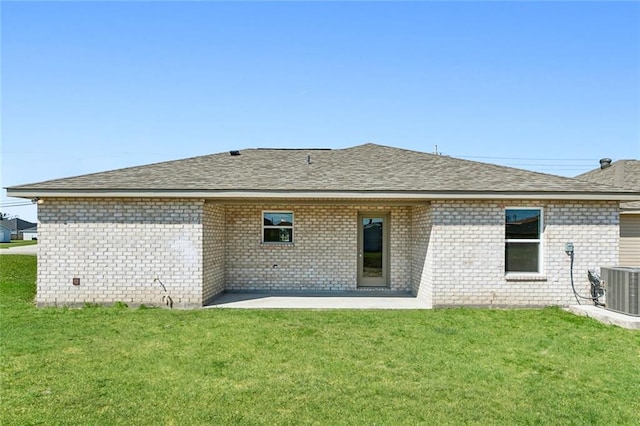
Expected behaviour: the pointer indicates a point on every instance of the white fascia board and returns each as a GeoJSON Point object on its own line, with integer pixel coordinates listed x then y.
{"type": "Point", "coordinates": [32, 194]}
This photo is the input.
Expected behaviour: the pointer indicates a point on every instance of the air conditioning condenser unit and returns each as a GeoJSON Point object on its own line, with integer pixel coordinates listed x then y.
{"type": "Point", "coordinates": [622, 289]}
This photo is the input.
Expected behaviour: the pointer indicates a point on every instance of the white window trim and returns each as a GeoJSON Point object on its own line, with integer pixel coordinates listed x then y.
{"type": "Point", "coordinates": [263, 227]}
{"type": "Point", "coordinates": [539, 240]}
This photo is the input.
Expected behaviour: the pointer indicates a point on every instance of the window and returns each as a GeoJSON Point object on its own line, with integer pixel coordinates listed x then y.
{"type": "Point", "coordinates": [277, 227]}
{"type": "Point", "coordinates": [523, 230]}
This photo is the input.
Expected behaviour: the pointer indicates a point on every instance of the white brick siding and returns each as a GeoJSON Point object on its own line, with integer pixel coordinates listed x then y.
{"type": "Point", "coordinates": [117, 247]}
{"type": "Point", "coordinates": [421, 253]}
{"type": "Point", "coordinates": [214, 246]}
{"type": "Point", "coordinates": [448, 253]}
{"type": "Point", "coordinates": [467, 240]}
{"type": "Point", "coordinates": [323, 256]}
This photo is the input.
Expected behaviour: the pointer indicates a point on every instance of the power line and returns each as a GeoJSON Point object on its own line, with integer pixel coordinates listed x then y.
{"type": "Point", "coordinates": [555, 166]}
{"type": "Point", "coordinates": [590, 160]}
{"type": "Point", "coordinates": [9, 205]}
{"type": "Point", "coordinates": [8, 202]}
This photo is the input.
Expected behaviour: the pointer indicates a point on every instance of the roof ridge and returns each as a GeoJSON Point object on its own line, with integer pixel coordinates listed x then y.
{"type": "Point", "coordinates": [290, 149]}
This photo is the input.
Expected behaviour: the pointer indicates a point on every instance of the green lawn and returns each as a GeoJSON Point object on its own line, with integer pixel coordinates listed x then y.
{"type": "Point", "coordinates": [18, 243]}
{"type": "Point", "coordinates": [157, 366]}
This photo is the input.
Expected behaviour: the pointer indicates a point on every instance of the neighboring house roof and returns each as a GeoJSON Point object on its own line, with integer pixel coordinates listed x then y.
{"type": "Point", "coordinates": [622, 174]}
{"type": "Point", "coordinates": [31, 230]}
{"type": "Point", "coordinates": [368, 170]}
{"type": "Point", "coordinates": [5, 227]}
{"type": "Point", "coordinates": [17, 224]}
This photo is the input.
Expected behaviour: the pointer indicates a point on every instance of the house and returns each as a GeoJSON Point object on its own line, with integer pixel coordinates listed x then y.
{"type": "Point", "coordinates": [17, 226]}
{"type": "Point", "coordinates": [450, 231]}
{"type": "Point", "coordinates": [5, 234]}
{"type": "Point", "coordinates": [30, 233]}
{"type": "Point", "coordinates": [623, 174]}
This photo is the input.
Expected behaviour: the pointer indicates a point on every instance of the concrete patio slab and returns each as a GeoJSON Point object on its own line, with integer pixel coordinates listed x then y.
{"type": "Point", "coordinates": [316, 301]}
{"type": "Point", "coordinates": [605, 316]}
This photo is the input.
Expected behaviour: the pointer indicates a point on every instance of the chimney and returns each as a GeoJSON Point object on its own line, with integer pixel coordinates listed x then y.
{"type": "Point", "coordinates": [604, 163]}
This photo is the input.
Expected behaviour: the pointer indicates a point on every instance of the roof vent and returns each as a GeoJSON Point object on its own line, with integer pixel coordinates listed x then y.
{"type": "Point", "coordinates": [605, 162]}
{"type": "Point", "coordinates": [234, 153]}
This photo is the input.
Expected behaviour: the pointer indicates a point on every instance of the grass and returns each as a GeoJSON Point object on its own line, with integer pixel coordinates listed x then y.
{"type": "Point", "coordinates": [156, 366]}
{"type": "Point", "coordinates": [18, 243]}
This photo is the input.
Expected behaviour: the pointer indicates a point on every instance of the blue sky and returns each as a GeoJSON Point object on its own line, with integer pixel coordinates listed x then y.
{"type": "Point", "coordinates": [92, 86]}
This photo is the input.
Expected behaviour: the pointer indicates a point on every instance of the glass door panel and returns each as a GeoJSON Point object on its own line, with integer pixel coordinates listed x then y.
{"type": "Point", "coordinates": [372, 257]}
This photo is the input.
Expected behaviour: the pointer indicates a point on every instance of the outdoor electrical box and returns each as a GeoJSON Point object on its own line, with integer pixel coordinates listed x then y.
{"type": "Point", "coordinates": [568, 247]}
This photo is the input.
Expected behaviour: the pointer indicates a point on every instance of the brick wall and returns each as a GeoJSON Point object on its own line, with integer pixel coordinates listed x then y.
{"type": "Point", "coordinates": [116, 248]}
{"type": "Point", "coordinates": [323, 256]}
{"type": "Point", "coordinates": [467, 240]}
{"type": "Point", "coordinates": [214, 246]}
{"type": "Point", "coordinates": [421, 253]}
{"type": "Point", "coordinates": [449, 253]}
{"type": "Point", "coordinates": [400, 242]}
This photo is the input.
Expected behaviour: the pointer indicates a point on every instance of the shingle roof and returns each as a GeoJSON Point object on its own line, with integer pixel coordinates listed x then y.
{"type": "Point", "coordinates": [622, 174]}
{"type": "Point", "coordinates": [363, 168]}
{"type": "Point", "coordinates": [17, 224]}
